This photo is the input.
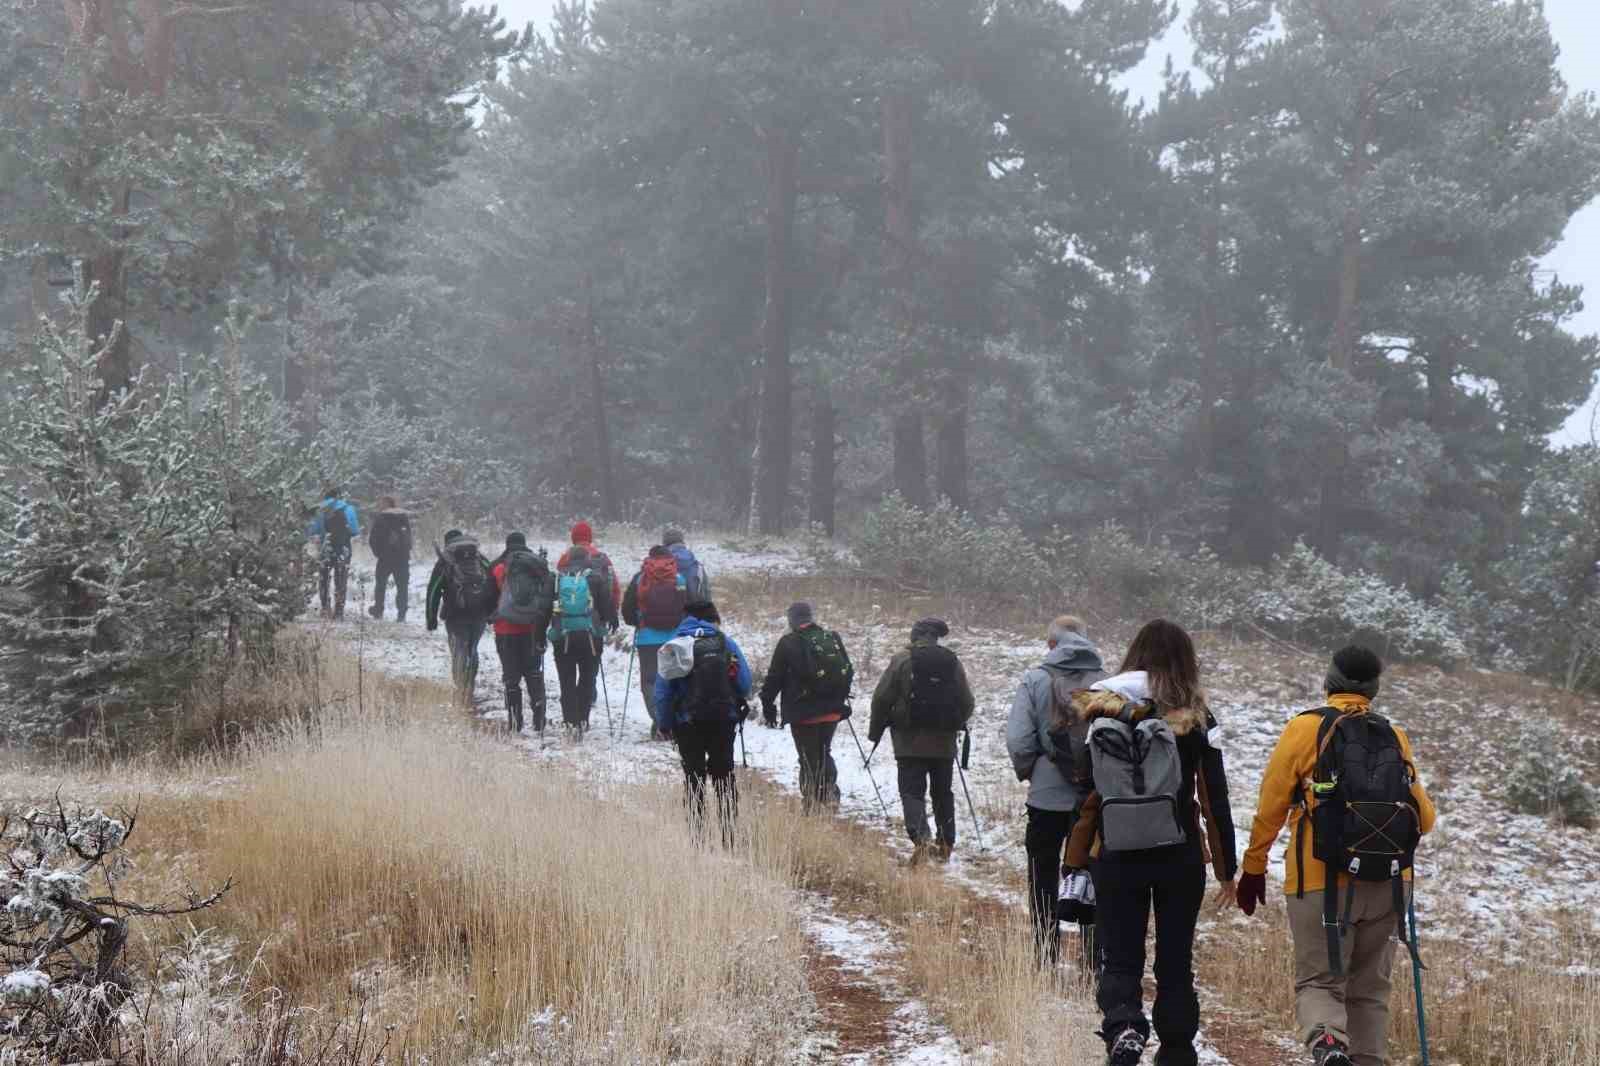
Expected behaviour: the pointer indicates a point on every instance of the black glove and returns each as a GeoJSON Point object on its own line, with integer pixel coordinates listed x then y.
{"type": "Point", "coordinates": [769, 716]}
{"type": "Point", "coordinates": [1252, 891]}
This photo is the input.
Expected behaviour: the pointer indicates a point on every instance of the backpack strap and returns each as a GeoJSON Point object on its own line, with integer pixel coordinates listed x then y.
{"type": "Point", "coordinates": [1302, 828]}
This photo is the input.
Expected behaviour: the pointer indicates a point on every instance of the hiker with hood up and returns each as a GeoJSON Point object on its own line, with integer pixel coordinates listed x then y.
{"type": "Point", "coordinates": [1157, 774]}
{"type": "Point", "coordinates": [525, 594]}
{"type": "Point", "coordinates": [654, 605]}
{"type": "Point", "coordinates": [923, 701]}
{"type": "Point", "coordinates": [696, 579]}
{"type": "Point", "coordinates": [390, 541]}
{"type": "Point", "coordinates": [1341, 1012]}
{"type": "Point", "coordinates": [701, 711]}
{"type": "Point", "coordinates": [334, 527]}
{"type": "Point", "coordinates": [1042, 737]}
{"type": "Point", "coordinates": [461, 593]}
{"type": "Point", "coordinates": [812, 673]}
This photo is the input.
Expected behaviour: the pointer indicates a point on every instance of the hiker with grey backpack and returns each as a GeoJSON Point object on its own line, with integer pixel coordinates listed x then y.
{"type": "Point", "coordinates": [526, 595]}
{"type": "Point", "coordinates": [461, 594]}
{"type": "Point", "coordinates": [1344, 779]}
{"type": "Point", "coordinates": [1157, 775]}
{"type": "Point", "coordinates": [811, 675]}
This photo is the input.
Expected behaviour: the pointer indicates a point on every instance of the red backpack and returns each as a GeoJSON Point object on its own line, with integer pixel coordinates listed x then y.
{"type": "Point", "coordinates": [661, 601]}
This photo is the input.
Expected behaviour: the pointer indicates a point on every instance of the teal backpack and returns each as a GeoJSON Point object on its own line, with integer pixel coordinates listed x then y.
{"type": "Point", "coordinates": [576, 602]}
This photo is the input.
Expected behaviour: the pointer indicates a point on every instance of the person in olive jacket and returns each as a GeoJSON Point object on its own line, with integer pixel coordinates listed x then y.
{"type": "Point", "coordinates": [924, 702]}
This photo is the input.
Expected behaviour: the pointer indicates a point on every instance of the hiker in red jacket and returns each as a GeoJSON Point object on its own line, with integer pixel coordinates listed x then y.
{"type": "Point", "coordinates": [599, 563]}
{"type": "Point", "coordinates": [527, 593]}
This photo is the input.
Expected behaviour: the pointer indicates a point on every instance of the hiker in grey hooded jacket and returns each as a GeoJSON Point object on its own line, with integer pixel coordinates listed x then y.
{"type": "Point", "coordinates": [1073, 662]}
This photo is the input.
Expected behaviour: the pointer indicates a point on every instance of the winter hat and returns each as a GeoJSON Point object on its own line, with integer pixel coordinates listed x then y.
{"type": "Point", "coordinates": [704, 610]}
{"type": "Point", "coordinates": [659, 552]}
{"type": "Point", "coordinates": [672, 536]}
{"type": "Point", "coordinates": [800, 614]}
{"type": "Point", "coordinates": [516, 542]}
{"type": "Point", "coordinates": [452, 535]}
{"type": "Point", "coordinates": [582, 532]}
{"type": "Point", "coordinates": [929, 630]}
{"type": "Point", "coordinates": [1355, 670]}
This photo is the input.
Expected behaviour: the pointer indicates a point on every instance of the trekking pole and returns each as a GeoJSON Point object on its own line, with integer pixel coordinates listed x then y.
{"type": "Point", "coordinates": [627, 688]}
{"type": "Point", "coordinates": [864, 761]}
{"type": "Point", "coordinates": [961, 768]}
{"type": "Point", "coordinates": [605, 689]}
{"type": "Point", "coordinates": [1416, 971]}
{"type": "Point", "coordinates": [744, 755]}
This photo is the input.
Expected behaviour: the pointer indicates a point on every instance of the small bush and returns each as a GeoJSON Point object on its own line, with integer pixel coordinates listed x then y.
{"type": "Point", "coordinates": [946, 551]}
{"type": "Point", "coordinates": [1545, 781]}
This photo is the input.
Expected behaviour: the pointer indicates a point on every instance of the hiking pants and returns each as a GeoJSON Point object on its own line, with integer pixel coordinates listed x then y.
{"type": "Point", "coordinates": [1125, 894]}
{"type": "Point", "coordinates": [707, 751]}
{"type": "Point", "coordinates": [819, 775]}
{"type": "Point", "coordinates": [1046, 835]}
{"type": "Point", "coordinates": [400, 571]}
{"type": "Point", "coordinates": [335, 569]}
{"type": "Point", "coordinates": [916, 776]}
{"type": "Point", "coordinates": [648, 656]}
{"type": "Point", "coordinates": [1354, 1008]}
{"type": "Point", "coordinates": [522, 660]}
{"type": "Point", "coordinates": [464, 637]}
{"type": "Point", "coordinates": [577, 666]}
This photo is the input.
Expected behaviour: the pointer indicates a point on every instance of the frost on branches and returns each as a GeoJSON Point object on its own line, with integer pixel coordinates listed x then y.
{"type": "Point", "coordinates": [63, 927]}
{"type": "Point", "coordinates": [139, 529]}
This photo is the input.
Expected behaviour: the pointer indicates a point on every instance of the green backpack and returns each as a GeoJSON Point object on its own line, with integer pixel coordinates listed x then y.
{"type": "Point", "coordinates": [828, 672]}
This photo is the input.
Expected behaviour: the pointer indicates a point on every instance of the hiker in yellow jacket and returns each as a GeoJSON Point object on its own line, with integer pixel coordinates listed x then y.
{"type": "Point", "coordinates": [1342, 1013]}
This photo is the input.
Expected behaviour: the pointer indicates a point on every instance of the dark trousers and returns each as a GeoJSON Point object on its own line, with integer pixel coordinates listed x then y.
{"type": "Point", "coordinates": [334, 569]}
{"type": "Point", "coordinates": [1125, 894]}
{"type": "Point", "coordinates": [577, 666]}
{"type": "Point", "coordinates": [522, 660]}
{"type": "Point", "coordinates": [463, 638]}
{"type": "Point", "coordinates": [400, 571]}
{"type": "Point", "coordinates": [707, 751]}
{"type": "Point", "coordinates": [917, 775]}
{"type": "Point", "coordinates": [1046, 835]}
{"type": "Point", "coordinates": [819, 775]}
{"type": "Point", "coordinates": [648, 656]}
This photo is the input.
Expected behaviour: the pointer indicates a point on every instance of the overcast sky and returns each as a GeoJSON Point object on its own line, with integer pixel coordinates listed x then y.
{"type": "Point", "coordinates": [1577, 30]}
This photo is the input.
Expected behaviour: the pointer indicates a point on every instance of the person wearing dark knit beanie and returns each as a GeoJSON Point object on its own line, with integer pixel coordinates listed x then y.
{"type": "Point", "coordinates": [1343, 1016]}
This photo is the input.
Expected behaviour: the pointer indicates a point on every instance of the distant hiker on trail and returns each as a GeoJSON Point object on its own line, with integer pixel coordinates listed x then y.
{"type": "Point", "coordinates": [390, 541]}
{"type": "Point", "coordinates": [654, 605]}
{"type": "Point", "coordinates": [699, 703]}
{"type": "Point", "coordinates": [811, 673]}
{"type": "Point", "coordinates": [924, 701]}
{"type": "Point", "coordinates": [1346, 781]}
{"type": "Point", "coordinates": [584, 613]}
{"type": "Point", "coordinates": [525, 592]}
{"type": "Point", "coordinates": [334, 527]}
{"type": "Point", "coordinates": [696, 580]}
{"type": "Point", "coordinates": [1151, 739]}
{"type": "Point", "coordinates": [461, 592]}
{"type": "Point", "coordinates": [1046, 742]}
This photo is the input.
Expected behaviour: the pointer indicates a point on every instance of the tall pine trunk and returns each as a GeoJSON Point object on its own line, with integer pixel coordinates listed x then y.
{"type": "Point", "coordinates": [910, 445]}
{"type": "Point", "coordinates": [774, 450]}
{"type": "Point", "coordinates": [824, 460]}
{"type": "Point", "coordinates": [610, 503]}
{"type": "Point", "coordinates": [952, 445]}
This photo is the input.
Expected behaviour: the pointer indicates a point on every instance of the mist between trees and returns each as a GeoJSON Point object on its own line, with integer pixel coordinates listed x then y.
{"type": "Point", "coordinates": [761, 264]}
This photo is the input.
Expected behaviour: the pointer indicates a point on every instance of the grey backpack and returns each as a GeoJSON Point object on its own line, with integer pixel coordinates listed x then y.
{"type": "Point", "coordinates": [1138, 773]}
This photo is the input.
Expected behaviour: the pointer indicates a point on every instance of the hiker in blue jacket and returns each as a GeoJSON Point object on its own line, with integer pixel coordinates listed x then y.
{"type": "Point", "coordinates": [333, 527]}
{"type": "Point", "coordinates": [702, 710]}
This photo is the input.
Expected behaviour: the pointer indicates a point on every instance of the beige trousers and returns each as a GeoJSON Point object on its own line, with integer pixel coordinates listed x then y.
{"type": "Point", "coordinates": [1353, 1008]}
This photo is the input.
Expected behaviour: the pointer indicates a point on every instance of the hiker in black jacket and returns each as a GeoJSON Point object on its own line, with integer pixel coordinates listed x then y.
{"type": "Point", "coordinates": [810, 674]}
{"type": "Point", "coordinates": [390, 540]}
{"type": "Point", "coordinates": [462, 595]}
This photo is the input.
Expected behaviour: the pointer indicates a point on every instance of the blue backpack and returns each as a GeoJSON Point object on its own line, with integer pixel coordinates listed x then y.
{"type": "Point", "coordinates": [577, 601]}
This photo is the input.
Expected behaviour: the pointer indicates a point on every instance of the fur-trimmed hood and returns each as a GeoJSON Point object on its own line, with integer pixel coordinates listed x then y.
{"type": "Point", "coordinates": [1104, 703]}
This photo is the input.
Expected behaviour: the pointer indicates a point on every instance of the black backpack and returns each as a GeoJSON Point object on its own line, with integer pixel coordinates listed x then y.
{"type": "Point", "coordinates": [934, 703]}
{"type": "Point", "coordinates": [527, 591]}
{"type": "Point", "coordinates": [708, 697]}
{"type": "Point", "coordinates": [1364, 819]}
{"type": "Point", "coordinates": [336, 524]}
{"type": "Point", "coordinates": [826, 667]}
{"type": "Point", "coordinates": [467, 583]}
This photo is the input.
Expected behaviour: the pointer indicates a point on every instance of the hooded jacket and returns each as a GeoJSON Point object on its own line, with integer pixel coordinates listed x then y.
{"type": "Point", "coordinates": [317, 530]}
{"type": "Point", "coordinates": [1051, 787]}
{"type": "Point", "coordinates": [1294, 761]}
{"type": "Point", "coordinates": [669, 694]}
{"type": "Point", "coordinates": [390, 538]}
{"type": "Point", "coordinates": [697, 581]}
{"type": "Point", "coordinates": [891, 711]}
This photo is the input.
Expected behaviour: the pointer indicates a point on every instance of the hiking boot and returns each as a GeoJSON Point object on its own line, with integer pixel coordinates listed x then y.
{"type": "Point", "coordinates": [940, 853]}
{"type": "Point", "coordinates": [1127, 1049]}
{"type": "Point", "coordinates": [1327, 1051]}
{"type": "Point", "coordinates": [919, 853]}
{"type": "Point", "coordinates": [375, 611]}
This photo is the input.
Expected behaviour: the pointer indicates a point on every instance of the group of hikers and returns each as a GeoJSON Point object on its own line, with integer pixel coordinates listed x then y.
{"type": "Point", "coordinates": [1128, 799]}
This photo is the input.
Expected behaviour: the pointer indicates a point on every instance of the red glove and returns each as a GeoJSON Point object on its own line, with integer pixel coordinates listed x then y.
{"type": "Point", "coordinates": [1252, 891]}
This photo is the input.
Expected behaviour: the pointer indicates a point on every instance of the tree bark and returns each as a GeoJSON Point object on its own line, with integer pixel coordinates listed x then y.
{"type": "Point", "coordinates": [824, 460]}
{"type": "Point", "coordinates": [952, 446]}
{"type": "Point", "coordinates": [610, 503]}
{"type": "Point", "coordinates": [911, 459]}
{"type": "Point", "coordinates": [910, 447]}
{"type": "Point", "coordinates": [775, 432]}
{"type": "Point", "coordinates": [1341, 350]}
{"type": "Point", "coordinates": [1210, 338]}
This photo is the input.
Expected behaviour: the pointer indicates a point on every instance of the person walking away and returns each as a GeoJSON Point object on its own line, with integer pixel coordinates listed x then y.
{"type": "Point", "coordinates": [924, 701]}
{"type": "Point", "coordinates": [1365, 809]}
{"type": "Point", "coordinates": [334, 527]}
{"type": "Point", "coordinates": [461, 593]}
{"type": "Point", "coordinates": [1157, 774]}
{"type": "Point", "coordinates": [696, 579]}
{"type": "Point", "coordinates": [654, 605]}
{"type": "Point", "coordinates": [390, 541]}
{"type": "Point", "coordinates": [583, 612]}
{"type": "Point", "coordinates": [811, 675]}
{"type": "Point", "coordinates": [525, 594]}
{"type": "Point", "coordinates": [583, 537]}
{"type": "Point", "coordinates": [1046, 742]}
{"type": "Point", "coordinates": [701, 711]}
